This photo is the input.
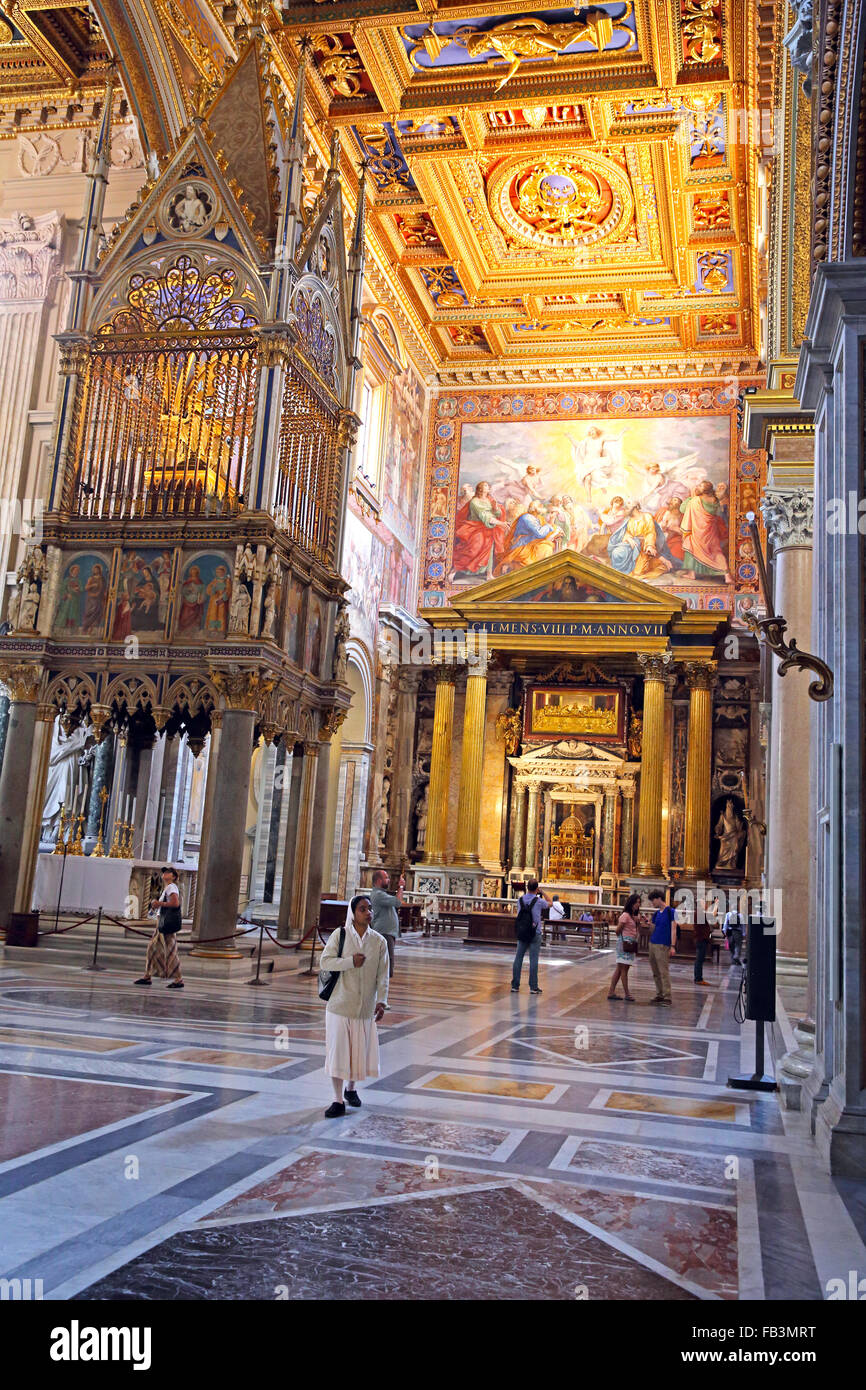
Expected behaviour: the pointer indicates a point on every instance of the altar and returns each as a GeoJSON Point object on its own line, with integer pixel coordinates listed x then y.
{"type": "Point", "coordinates": [121, 887]}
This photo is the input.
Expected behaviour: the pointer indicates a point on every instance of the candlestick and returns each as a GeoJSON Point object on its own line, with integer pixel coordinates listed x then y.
{"type": "Point", "coordinates": [99, 848]}
{"type": "Point", "coordinates": [134, 804]}
{"type": "Point", "coordinates": [76, 833]}
{"type": "Point", "coordinates": [61, 832]}
{"type": "Point", "coordinates": [115, 851]}
{"type": "Point", "coordinates": [127, 843]}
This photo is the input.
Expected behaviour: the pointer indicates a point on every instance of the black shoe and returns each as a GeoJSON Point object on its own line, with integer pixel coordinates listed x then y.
{"type": "Point", "coordinates": [515, 989]}
{"type": "Point", "coordinates": [143, 981]}
{"type": "Point", "coordinates": [335, 1110]}
{"type": "Point", "coordinates": [536, 991]}
{"type": "Point", "coordinates": [353, 1099]}
{"type": "Point", "coordinates": [176, 984]}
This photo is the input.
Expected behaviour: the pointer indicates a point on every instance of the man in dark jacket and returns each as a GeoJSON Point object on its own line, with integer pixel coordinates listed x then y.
{"type": "Point", "coordinates": [533, 901]}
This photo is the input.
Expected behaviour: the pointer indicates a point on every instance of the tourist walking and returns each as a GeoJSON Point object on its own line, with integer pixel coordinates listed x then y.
{"type": "Point", "coordinates": [386, 917]}
{"type": "Point", "coordinates": [529, 929]}
{"type": "Point", "coordinates": [162, 958]}
{"type": "Point", "coordinates": [356, 1005]}
{"type": "Point", "coordinates": [703, 932]}
{"type": "Point", "coordinates": [661, 947]}
{"type": "Point", "coordinates": [733, 928]}
{"type": "Point", "coordinates": [627, 940]}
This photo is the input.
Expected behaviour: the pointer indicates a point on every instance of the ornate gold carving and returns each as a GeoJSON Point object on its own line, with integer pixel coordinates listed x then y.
{"type": "Point", "coordinates": [22, 681]}
{"type": "Point", "coordinates": [242, 690]}
{"type": "Point", "coordinates": [100, 717]}
{"type": "Point", "coordinates": [341, 68]}
{"type": "Point", "coordinates": [330, 721]}
{"type": "Point", "coordinates": [700, 675]}
{"type": "Point", "coordinates": [702, 31]}
{"type": "Point", "coordinates": [509, 728]}
{"type": "Point", "coordinates": [655, 664]}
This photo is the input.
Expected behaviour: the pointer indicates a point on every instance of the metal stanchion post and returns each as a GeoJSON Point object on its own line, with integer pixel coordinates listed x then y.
{"type": "Point", "coordinates": [258, 980]}
{"type": "Point", "coordinates": [93, 965]}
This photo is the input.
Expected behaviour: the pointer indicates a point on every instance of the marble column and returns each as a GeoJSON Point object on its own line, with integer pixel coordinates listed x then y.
{"type": "Point", "coordinates": [788, 514]}
{"type": "Point", "coordinates": [608, 829]}
{"type": "Point", "coordinates": [219, 878]}
{"type": "Point", "coordinates": [626, 831]}
{"type": "Point", "coordinates": [209, 794]}
{"type": "Point", "coordinates": [42, 740]}
{"type": "Point", "coordinates": [148, 783]}
{"type": "Point", "coordinates": [287, 918]}
{"type": "Point", "coordinates": [649, 843]}
{"type": "Point", "coordinates": [699, 757]}
{"type": "Point", "coordinates": [102, 762]}
{"type": "Point", "coordinates": [440, 765]}
{"type": "Point", "coordinates": [299, 885]}
{"type": "Point", "coordinates": [518, 844]}
{"type": "Point", "coordinates": [117, 800]}
{"type": "Point", "coordinates": [320, 846]}
{"type": "Point", "coordinates": [534, 790]}
{"type": "Point", "coordinates": [471, 765]}
{"type": "Point", "coordinates": [404, 761]}
{"type": "Point", "coordinates": [23, 684]}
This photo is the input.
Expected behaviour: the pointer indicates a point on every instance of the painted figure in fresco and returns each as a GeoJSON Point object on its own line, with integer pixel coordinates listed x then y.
{"type": "Point", "coordinates": [705, 535]}
{"type": "Point", "coordinates": [596, 458]}
{"type": "Point", "coordinates": [191, 614]}
{"type": "Point", "coordinates": [478, 535]}
{"type": "Point", "coordinates": [638, 547]}
{"type": "Point", "coordinates": [145, 602]}
{"type": "Point", "coordinates": [313, 641]}
{"type": "Point", "coordinates": [96, 596]}
{"type": "Point", "coordinates": [162, 569]}
{"type": "Point", "coordinates": [294, 618]}
{"type": "Point", "coordinates": [661, 489]}
{"type": "Point", "coordinates": [670, 519]}
{"type": "Point", "coordinates": [731, 835]}
{"type": "Point", "coordinates": [219, 592]}
{"type": "Point", "coordinates": [69, 607]}
{"type": "Point", "coordinates": [531, 538]}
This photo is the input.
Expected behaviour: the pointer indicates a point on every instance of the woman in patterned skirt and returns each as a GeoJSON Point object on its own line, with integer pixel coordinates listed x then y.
{"type": "Point", "coordinates": [162, 958]}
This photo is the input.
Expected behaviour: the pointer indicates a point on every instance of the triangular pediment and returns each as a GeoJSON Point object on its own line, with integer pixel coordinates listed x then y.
{"type": "Point", "coordinates": [238, 120]}
{"type": "Point", "coordinates": [563, 582]}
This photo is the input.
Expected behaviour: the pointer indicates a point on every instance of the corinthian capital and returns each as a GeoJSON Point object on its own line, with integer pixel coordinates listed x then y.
{"type": "Point", "coordinates": [788, 516]}
{"type": "Point", "coordinates": [655, 664]}
{"type": "Point", "coordinates": [242, 689]}
{"type": "Point", "coordinates": [700, 674]}
{"type": "Point", "coordinates": [22, 681]}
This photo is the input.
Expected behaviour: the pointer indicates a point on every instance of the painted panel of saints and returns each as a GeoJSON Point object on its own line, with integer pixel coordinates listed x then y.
{"type": "Point", "coordinates": [649, 497]}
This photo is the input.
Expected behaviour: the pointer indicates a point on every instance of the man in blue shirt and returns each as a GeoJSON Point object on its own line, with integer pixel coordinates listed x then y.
{"type": "Point", "coordinates": [534, 901]}
{"type": "Point", "coordinates": [661, 946]}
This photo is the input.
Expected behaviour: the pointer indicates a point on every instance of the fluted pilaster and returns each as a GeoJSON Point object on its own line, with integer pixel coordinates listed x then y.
{"type": "Point", "coordinates": [649, 842]}
{"type": "Point", "coordinates": [471, 765]}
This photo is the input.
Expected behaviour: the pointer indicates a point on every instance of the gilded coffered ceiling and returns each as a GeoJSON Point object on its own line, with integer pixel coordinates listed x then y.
{"type": "Point", "coordinates": [553, 191]}
{"type": "Point", "coordinates": [558, 185]}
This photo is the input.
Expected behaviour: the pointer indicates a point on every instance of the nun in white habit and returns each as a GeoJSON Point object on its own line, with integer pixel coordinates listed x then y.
{"type": "Point", "coordinates": [356, 1005]}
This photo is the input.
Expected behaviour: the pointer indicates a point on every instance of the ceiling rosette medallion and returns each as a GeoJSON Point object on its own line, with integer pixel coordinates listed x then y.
{"type": "Point", "coordinates": [562, 201]}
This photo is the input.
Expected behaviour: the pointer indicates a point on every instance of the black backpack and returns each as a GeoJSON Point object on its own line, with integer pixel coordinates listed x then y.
{"type": "Point", "coordinates": [524, 926]}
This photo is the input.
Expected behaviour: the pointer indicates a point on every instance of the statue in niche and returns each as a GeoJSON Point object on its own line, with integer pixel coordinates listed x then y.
{"type": "Point", "coordinates": [246, 564]}
{"type": "Point", "coordinates": [635, 734]}
{"type": "Point", "coordinates": [188, 211]}
{"type": "Point", "coordinates": [240, 612]}
{"type": "Point", "coordinates": [341, 638]}
{"type": "Point", "coordinates": [421, 821]}
{"type": "Point", "coordinates": [731, 835]}
{"type": "Point", "coordinates": [380, 819]}
{"type": "Point", "coordinates": [270, 618]}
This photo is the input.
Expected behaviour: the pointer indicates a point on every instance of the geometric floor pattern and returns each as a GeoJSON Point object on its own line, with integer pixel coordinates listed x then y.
{"type": "Point", "coordinates": [173, 1146]}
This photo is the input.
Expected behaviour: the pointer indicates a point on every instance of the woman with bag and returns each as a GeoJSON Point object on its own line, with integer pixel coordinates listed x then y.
{"type": "Point", "coordinates": [626, 947]}
{"type": "Point", "coordinates": [358, 956]}
{"type": "Point", "coordinates": [162, 958]}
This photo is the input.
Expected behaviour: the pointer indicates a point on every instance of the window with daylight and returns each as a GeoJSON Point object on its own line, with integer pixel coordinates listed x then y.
{"type": "Point", "coordinates": [368, 450]}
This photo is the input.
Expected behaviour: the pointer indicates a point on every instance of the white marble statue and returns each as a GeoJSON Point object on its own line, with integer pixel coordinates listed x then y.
{"type": "Point", "coordinates": [240, 611]}
{"type": "Point", "coordinates": [66, 750]}
{"type": "Point", "coordinates": [270, 608]}
{"type": "Point", "coordinates": [188, 210]}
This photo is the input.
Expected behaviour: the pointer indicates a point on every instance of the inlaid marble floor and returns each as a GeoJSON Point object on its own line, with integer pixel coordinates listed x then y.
{"type": "Point", "coordinates": [173, 1146]}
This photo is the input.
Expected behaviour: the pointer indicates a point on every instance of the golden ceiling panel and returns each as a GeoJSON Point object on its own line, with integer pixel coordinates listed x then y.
{"type": "Point", "coordinates": [554, 184]}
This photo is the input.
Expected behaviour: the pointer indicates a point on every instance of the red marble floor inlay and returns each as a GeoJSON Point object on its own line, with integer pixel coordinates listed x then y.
{"type": "Point", "coordinates": [36, 1111]}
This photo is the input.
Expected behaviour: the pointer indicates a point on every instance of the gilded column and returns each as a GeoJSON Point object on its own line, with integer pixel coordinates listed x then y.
{"type": "Point", "coordinates": [531, 855]}
{"type": "Point", "coordinates": [649, 839]}
{"type": "Point", "coordinates": [440, 765]}
{"type": "Point", "coordinates": [699, 679]}
{"type": "Point", "coordinates": [471, 764]}
{"type": "Point", "coordinates": [22, 682]}
{"type": "Point", "coordinates": [518, 843]}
